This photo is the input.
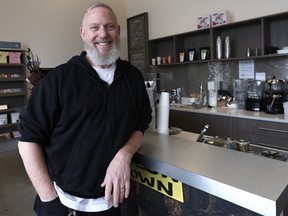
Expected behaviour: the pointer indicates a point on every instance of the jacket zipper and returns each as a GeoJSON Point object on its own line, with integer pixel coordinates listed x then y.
{"type": "Point", "coordinates": [108, 120]}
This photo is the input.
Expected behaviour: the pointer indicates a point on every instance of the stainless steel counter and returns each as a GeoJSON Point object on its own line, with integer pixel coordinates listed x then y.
{"type": "Point", "coordinates": [232, 112]}
{"type": "Point", "coordinates": [253, 182]}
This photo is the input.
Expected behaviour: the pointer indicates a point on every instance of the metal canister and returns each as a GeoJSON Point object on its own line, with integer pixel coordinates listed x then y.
{"type": "Point", "coordinates": [227, 48]}
{"type": "Point", "coordinates": [219, 47]}
{"type": "Point", "coordinates": [243, 145]}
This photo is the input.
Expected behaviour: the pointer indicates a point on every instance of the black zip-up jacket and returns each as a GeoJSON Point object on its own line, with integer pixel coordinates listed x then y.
{"type": "Point", "coordinates": [81, 122]}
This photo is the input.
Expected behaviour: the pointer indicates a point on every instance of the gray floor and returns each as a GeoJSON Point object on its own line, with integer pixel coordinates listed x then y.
{"type": "Point", "coordinates": [16, 191]}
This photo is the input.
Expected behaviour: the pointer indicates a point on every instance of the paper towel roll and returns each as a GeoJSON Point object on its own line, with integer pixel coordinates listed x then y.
{"type": "Point", "coordinates": [163, 114]}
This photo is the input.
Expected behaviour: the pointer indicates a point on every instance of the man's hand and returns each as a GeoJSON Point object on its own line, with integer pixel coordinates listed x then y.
{"type": "Point", "coordinates": [117, 180]}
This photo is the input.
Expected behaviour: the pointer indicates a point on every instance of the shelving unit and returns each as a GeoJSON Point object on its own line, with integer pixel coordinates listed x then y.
{"type": "Point", "coordinates": [12, 92]}
{"type": "Point", "coordinates": [259, 33]}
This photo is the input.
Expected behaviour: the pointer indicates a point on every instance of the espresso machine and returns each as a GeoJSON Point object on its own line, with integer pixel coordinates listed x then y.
{"type": "Point", "coordinates": [274, 95]}
{"type": "Point", "coordinates": [254, 100]}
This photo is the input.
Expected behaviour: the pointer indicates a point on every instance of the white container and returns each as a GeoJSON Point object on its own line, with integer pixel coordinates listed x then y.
{"type": "Point", "coordinates": [163, 114]}
{"type": "Point", "coordinates": [285, 106]}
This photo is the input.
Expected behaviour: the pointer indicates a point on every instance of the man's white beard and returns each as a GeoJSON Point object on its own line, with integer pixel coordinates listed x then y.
{"type": "Point", "coordinates": [97, 59]}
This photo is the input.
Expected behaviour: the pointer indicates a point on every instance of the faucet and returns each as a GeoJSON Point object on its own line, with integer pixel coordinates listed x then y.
{"type": "Point", "coordinates": [199, 139]}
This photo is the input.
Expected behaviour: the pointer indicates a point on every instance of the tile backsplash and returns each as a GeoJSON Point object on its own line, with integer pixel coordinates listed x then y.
{"type": "Point", "coordinates": [189, 76]}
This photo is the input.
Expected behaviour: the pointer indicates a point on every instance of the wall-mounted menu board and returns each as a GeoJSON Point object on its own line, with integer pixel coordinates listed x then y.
{"type": "Point", "coordinates": [137, 27]}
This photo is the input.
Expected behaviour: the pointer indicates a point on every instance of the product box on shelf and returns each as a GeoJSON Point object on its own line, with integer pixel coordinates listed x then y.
{"type": "Point", "coordinates": [3, 107]}
{"type": "Point", "coordinates": [3, 57]}
{"type": "Point", "coordinates": [14, 117]}
{"type": "Point", "coordinates": [3, 119]}
{"type": "Point", "coordinates": [220, 18]}
{"type": "Point", "coordinates": [5, 136]}
{"type": "Point", "coordinates": [14, 57]}
{"type": "Point", "coordinates": [204, 22]}
{"type": "Point", "coordinates": [15, 134]}
{"type": "Point", "coordinates": [10, 45]}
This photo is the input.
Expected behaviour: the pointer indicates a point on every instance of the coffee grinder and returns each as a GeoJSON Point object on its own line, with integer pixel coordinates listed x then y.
{"type": "Point", "coordinates": [254, 100]}
{"type": "Point", "coordinates": [274, 96]}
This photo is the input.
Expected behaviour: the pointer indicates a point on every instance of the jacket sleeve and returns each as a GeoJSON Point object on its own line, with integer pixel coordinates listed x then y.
{"type": "Point", "coordinates": [145, 116]}
{"type": "Point", "coordinates": [38, 118]}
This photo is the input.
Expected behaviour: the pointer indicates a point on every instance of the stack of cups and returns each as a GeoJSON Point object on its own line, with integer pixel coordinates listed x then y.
{"type": "Point", "coordinates": [285, 106]}
{"type": "Point", "coordinates": [163, 114]}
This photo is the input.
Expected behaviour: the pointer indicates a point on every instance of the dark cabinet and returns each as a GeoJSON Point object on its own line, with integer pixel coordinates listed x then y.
{"type": "Point", "coordinates": [218, 125]}
{"type": "Point", "coordinates": [242, 35]}
{"type": "Point", "coordinates": [187, 121]}
{"type": "Point", "coordinates": [256, 34]}
{"type": "Point", "coordinates": [273, 134]}
{"type": "Point", "coordinates": [259, 132]}
{"type": "Point", "coordinates": [195, 122]}
{"type": "Point", "coordinates": [275, 30]}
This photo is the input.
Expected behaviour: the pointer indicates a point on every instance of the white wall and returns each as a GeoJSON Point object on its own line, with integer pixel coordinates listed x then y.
{"type": "Point", "coordinates": [168, 17]}
{"type": "Point", "coordinates": [51, 28]}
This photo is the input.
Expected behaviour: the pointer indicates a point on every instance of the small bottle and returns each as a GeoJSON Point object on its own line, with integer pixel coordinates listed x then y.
{"type": "Point", "coordinates": [227, 47]}
{"type": "Point", "coordinates": [219, 48]}
{"type": "Point", "coordinates": [203, 96]}
{"type": "Point", "coordinates": [248, 52]}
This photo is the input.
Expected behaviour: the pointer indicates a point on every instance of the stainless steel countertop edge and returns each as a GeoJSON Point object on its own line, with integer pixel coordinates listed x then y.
{"type": "Point", "coordinates": [254, 203]}
{"type": "Point", "coordinates": [155, 154]}
{"type": "Point", "coordinates": [236, 113]}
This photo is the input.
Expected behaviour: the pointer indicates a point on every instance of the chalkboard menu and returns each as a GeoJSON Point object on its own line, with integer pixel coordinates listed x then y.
{"type": "Point", "coordinates": [137, 27]}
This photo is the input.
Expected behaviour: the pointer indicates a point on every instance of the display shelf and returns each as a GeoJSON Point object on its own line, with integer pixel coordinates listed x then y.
{"type": "Point", "coordinates": [12, 79]}
{"type": "Point", "coordinates": [192, 40]}
{"type": "Point", "coordinates": [275, 30]}
{"type": "Point", "coordinates": [13, 90]}
{"type": "Point", "coordinates": [162, 47]}
{"type": "Point", "coordinates": [261, 35]}
{"type": "Point", "coordinates": [242, 35]}
{"type": "Point", "coordinates": [9, 125]}
{"type": "Point", "coordinates": [222, 60]}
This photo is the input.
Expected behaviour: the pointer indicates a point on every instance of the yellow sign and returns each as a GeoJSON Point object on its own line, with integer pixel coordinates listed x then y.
{"type": "Point", "coordinates": [159, 182]}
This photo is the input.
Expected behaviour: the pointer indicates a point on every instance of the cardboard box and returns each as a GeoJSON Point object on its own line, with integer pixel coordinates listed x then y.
{"type": "Point", "coordinates": [220, 18]}
{"type": "Point", "coordinates": [15, 134]}
{"type": "Point", "coordinates": [5, 136]}
{"type": "Point", "coordinates": [3, 107]}
{"type": "Point", "coordinates": [14, 117]}
{"type": "Point", "coordinates": [3, 119]}
{"type": "Point", "coordinates": [3, 57]}
{"type": "Point", "coordinates": [15, 57]}
{"type": "Point", "coordinates": [204, 22]}
{"type": "Point", "coordinates": [10, 45]}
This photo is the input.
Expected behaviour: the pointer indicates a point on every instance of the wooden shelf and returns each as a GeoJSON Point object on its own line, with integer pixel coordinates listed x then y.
{"type": "Point", "coordinates": [12, 79]}
{"type": "Point", "coordinates": [14, 100]}
{"type": "Point", "coordinates": [8, 125]}
{"type": "Point", "coordinates": [258, 33]}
